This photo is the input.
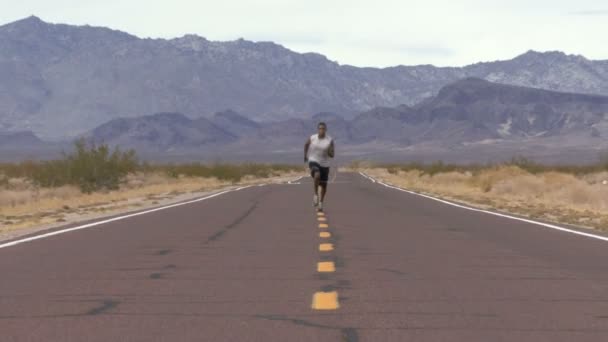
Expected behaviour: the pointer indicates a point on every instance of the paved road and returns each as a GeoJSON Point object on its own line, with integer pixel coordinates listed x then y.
{"type": "Point", "coordinates": [244, 266]}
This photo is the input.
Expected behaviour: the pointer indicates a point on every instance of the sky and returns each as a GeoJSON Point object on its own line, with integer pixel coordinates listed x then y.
{"type": "Point", "coordinates": [376, 33]}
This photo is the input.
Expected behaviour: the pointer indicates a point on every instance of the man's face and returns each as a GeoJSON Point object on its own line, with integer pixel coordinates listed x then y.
{"type": "Point", "coordinates": [322, 130]}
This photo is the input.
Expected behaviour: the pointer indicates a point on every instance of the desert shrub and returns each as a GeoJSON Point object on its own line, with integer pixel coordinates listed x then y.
{"type": "Point", "coordinates": [225, 172]}
{"type": "Point", "coordinates": [359, 164]}
{"type": "Point", "coordinates": [430, 169]}
{"type": "Point", "coordinates": [3, 181]}
{"type": "Point", "coordinates": [91, 167]}
{"type": "Point", "coordinates": [603, 160]}
{"type": "Point", "coordinates": [392, 170]}
{"type": "Point", "coordinates": [527, 165]}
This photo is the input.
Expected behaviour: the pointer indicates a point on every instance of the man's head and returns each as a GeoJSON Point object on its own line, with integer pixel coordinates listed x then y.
{"type": "Point", "coordinates": [322, 127]}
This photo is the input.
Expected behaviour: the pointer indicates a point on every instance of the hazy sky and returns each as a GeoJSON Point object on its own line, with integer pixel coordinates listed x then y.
{"type": "Point", "coordinates": [362, 33]}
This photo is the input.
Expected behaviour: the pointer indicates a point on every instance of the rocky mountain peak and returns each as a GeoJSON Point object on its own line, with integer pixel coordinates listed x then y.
{"type": "Point", "coordinates": [30, 23]}
{"type": "Point", "coordinates": [191, 41]}
{"type": "Point", "coordinates": [548, 57]}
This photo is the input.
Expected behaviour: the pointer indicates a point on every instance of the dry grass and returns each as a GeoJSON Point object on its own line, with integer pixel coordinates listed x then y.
{"type": "Point", "coordinates": [95, 180]}
{"type": "Point", "coordinates": [23, 205]}
{"type": "Point", "coordinates": [548, 195]}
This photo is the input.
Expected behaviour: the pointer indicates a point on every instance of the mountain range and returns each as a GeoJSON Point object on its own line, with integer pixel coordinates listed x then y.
{"type": "Point", "coordinates": [464, 117]}
{"type": "Point", "coordinates": [61, 81]}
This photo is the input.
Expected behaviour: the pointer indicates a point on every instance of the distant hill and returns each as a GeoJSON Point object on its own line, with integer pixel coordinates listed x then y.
{"type": "Point", "coordinates": [471, 120]}
{"type": "Point", "coordinates": [60, 81]}
{"type": "Point", "coordinates": [473, 110]}
{"type": "Point", "coordinates": [234, 123]}
{"type": "Point", "coordinates": [162, 132]}
{"type": "Point", "coordinates": [19, 140]}
{"type": "Point", "coordinates": [463, 116]}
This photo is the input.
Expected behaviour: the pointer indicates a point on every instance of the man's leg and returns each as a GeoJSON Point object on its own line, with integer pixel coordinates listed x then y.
{"type": "Point", "coordinates": [316, 181]}
{"type": "Point", "coordinates": [324, 173]}
{"type": "Point", "coordinates": [324, 180]}
{"type": "Point", "coordinates": [323, 190]}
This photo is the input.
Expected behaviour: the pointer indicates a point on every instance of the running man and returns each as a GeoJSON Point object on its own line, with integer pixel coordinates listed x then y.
{"type": "Point", "coordinates": [317, 151]}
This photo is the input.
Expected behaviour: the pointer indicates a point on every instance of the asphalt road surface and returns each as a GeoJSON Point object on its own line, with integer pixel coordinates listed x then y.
{"type": "Point", "coordinates": [259, 264]}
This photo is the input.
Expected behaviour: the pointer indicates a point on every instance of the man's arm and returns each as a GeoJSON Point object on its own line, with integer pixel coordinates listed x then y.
{"type": "Point", "coordinates": [332, 150]}
{"type": "Point", "coordinates": [306, 146]}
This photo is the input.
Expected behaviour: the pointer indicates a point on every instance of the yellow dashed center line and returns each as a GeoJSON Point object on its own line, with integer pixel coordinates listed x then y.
{"type": "Point", "coordinates": [325, 301]}
{"type": "Point", "coordinates": [326, 266]}
{"type": "Point", "coordinates": [326, 247]}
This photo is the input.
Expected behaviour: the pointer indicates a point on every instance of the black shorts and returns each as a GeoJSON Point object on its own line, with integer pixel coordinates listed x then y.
{"type": "Point", "coordinates": [324, 171]}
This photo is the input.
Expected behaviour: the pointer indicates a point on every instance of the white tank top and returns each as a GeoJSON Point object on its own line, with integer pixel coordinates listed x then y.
{"type": "Point", "coordinates": [318, 149]}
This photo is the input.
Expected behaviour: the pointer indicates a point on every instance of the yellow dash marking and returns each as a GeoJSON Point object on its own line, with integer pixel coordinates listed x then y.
{"type": "Point", "coordinates": [324, 235]}
{"type": "Point", "coordinates": [326, 247]}
{"type": "Point", "coordinates": [323, 225]}
{"type": "Point", "coordinates": [325, 301]}
{"type": "Point", "coordinates": [320, 213]}
{"type": "Point", "coordinates": [326, 266]}
{"type": "Point", "coordinates": [322, 219]}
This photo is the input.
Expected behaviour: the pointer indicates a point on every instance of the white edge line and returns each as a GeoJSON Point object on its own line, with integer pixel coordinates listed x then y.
{"type": "Point", "coordinates": [118, 218]}
{"type": "Point", "coordinates": [335, 175]}
{"type": "Point", "coordinates": [547, 225]}
{"type": "Point", "coordinates": [293, 181]}
{"type": "Point", "coordinates": [368, 177]}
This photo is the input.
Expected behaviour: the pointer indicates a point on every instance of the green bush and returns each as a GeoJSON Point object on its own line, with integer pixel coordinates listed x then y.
{"type": "Point", "coordinates": [96, 167]}
{"type": "Point", "coordinates": [91, 167]}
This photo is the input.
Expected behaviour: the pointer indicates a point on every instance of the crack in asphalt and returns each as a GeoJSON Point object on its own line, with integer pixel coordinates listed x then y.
{"type": "Point", "coordinates": [217, 235]}
{"type": "Point", "coordinates": [347, 334]}
{"type": "Point", "coordinates": [390, 270]}
{"type": "Point", "coordinates": [106, 305]}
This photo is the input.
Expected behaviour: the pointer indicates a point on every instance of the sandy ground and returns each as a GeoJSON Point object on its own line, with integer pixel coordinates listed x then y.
{"type": "Point", "coordinates": [550, 197]}
{"type": "Point", "coordinates": [13, 226]}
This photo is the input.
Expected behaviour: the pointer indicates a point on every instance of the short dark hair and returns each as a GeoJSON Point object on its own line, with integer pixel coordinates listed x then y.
{"type": "Point", "coordinates": [322, 124]}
